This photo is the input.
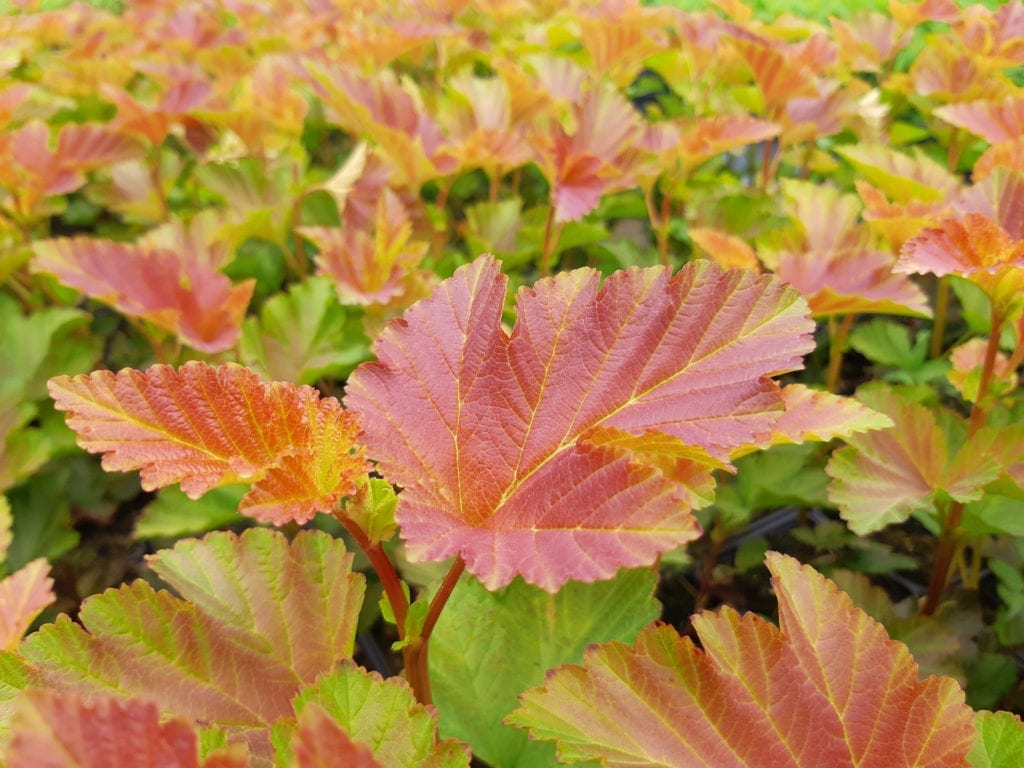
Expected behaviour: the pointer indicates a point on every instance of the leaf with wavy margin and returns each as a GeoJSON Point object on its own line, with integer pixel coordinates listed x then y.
{"type": "Point", "coordinates": [204, 426]}
{"type": "Point", "coordinates": [744, 701]}
{"type": "Point", "coordinates": [381, 714]}
{"type": "Point", "coordinates": [575, 445]}
{"type": "Point", "coordinates": [261, 619]}
{"type": "Point", "coordinates": [1000, 740]}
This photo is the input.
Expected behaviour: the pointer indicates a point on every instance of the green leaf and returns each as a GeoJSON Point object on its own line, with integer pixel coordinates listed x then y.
{"type": "Point", "coordinates": [888, 343]}
{"type": "Point", "coordinates": [305, 335]}
{"type": "Point", "coordinates": [488, 647]}
{"type": "Point", "coordinates": [1000, 740]}
{"type": "Point", "coordinates": [381, 714]}
{"type": "Point", "coordinates": [42, 520]}
{"type": "Point", "coordinates": [43, 344]}
{"type": "Point", "coordinates": [173, 514]}
{"type": "Point", "coordinates": [372, 508]}
{"type": "Point", "coordinates": [783, 475]}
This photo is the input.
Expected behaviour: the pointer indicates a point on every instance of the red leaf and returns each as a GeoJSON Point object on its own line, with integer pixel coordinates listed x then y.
{"type": "Point", "coordinates": [826, 688]}
{"type": "Point", "coordinates": [501, 443]}
{"type": "Point", "coordinates": [172, 289]}
{"type": "Point", "coordinates": [59, 730]}
{"type": "Point", "coordinates": [321, 743]}
{"type": "Point", "coordinates": [202, 426]}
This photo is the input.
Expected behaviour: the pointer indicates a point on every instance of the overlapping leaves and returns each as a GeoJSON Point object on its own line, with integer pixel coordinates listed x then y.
{"type": "Point", "coordinates": [579, 443]}
{"type": "Point", "coordinates": [261, 618]}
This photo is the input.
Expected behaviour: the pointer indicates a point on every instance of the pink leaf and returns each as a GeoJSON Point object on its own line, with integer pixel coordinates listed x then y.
{"type": "Point", "coordinates": [23, 595]}
{"type": "Point", "coordinates": [172, 289]}
{"type": "Point", "coordinates": [501, 443]}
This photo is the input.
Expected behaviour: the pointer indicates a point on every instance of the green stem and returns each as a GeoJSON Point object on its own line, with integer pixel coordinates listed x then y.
{"type": "Point", "coordinates": [552, 232]}
{"type": "Point", "coordinates": [417, 671]}
{"type": "Point", "coordinates": [939, 322]}
{"type": "Point", "coordinates": [837, 335]}
{"type": "Point", "coordinates": [949, 540]}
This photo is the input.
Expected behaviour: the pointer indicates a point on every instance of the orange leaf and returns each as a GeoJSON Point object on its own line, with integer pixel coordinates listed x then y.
{"type": "Point", "coordinates": [202, 426]}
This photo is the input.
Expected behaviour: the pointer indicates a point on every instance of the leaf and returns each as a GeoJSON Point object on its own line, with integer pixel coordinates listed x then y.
{"type": "Point", "coordinates": [744, 699]}
{"type": "Point", "coordinates": [884, 476]}
{"type": "Point", "coordinates": [815, 415]}
{"type": "Point", "coordinates": [513, 451]}
{"type": "Point", "coordinates": [488, 647]}
{"type": "Point", "coordinates": [304, 335]}
{"type": "Point", "coordinates": [168, 288]}
{"type": "Point", "coordinates": [204, 426]}
{"type": "Point", "coordinates": [717, 134]}
{"type": "Point", "coordinates": [994, 121]}
{"type": "Point", "coordinates": [173, 515]}
{"type": "Point", "coordinates": [1000, 740]}
{"type": "Point", "coordinates": [368, 267]}
{"type": "Point", "coordinates": [726, 249]}
{"type": "Point", "coordinates": [976, 247]}
{"type": "Point", "coordinates": [69, 731]}
{"type": "Point", "coordinates": [23, 595]}
{"type": "Point", "coordinates": [383, 715]}
{"type": "Point", "coordinates": [262, 618]}
{"type": "Point", "coordinates": [851, 281]}
{"type": "Point", "coordinates": [302, 598]}
{"type": "Point", "coordinates": [320, 742]}
{"type": "Point", "coordinates": [900, 176]}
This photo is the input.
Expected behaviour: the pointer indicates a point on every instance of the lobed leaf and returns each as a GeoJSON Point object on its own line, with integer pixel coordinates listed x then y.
{"type": "Point", "coordinates": [883, 477]}
{"type": "Point", "coordinates": [264, 618]}
{"type": "Point", "coordinates": [383, 715]}
{"type": "Point", "coordinates": [172, 289]}
{"type": "Point", "coordinates": [203, 426]}
{"type": "Point", "coordinates": [745, 699]}
{"type": "Point", "coordinates": [535, 453]}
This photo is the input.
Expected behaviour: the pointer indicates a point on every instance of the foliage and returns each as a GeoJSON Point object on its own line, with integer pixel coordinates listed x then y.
{"type": "Point", "coordinates": [523, 322]}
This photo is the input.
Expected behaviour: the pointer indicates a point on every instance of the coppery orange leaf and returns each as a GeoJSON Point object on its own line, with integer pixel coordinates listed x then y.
{"type": "Point", "coordinates": [202, 426]}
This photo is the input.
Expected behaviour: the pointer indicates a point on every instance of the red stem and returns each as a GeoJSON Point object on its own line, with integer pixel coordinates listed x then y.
{"type": "Point", "coordinates": [949, 540]}
{"type": "Point", "coordinates": [385, 570]}
{"type": "Point", "coordinates": [417, 671]}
